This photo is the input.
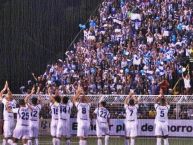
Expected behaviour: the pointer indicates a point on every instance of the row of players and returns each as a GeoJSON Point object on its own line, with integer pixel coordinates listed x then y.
{"type": "Point", "coordinates": [27, 126]}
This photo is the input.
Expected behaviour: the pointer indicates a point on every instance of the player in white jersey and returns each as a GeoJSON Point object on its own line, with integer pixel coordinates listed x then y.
{"type": "Point", "coordinates": [131, 106]}
{"type": "Point", "coordinates": [35, 107]}
{"type": "Point", "coordinates": [63, 128]}
{"type": "Point", "coordinates": [54, 104]}
{"type": "Point", "coordinates": [83, 115]}
{"type": "Point", "coordinates": [102, 122]}
{"type": "Point", "coordinates": [161, 121]}
{"type": "Point", "coordinates": [8, 117]}
{"type": "Point", "coordinates": [21, 131]}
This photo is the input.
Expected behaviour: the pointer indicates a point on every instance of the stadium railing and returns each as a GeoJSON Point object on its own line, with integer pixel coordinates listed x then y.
{"type": "Point", "coordinates": [181, 110]}
{"type": "Point", "coordinates": [181, 105]}
{"type": "Point", "coordinates": [173, 99]}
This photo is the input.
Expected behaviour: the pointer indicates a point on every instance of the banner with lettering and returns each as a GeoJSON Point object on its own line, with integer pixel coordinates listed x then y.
{"type": "Point", "coordinates": [181, 128]}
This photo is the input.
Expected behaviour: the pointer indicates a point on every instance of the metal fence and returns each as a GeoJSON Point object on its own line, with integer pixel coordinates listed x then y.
{"type": "Point", "coordinates": [181, 105]}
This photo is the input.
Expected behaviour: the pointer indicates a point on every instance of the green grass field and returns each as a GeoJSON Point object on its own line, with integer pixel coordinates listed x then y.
{"type": "Point", "coordinates": [120, 141]}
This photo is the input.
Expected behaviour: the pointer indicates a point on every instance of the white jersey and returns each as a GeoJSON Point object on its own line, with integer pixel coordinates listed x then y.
{"type": "Point", "coordinates": [83, 111]}
{"type": "Point", "coordinates": [8, 105]}
{"type": "Point", "coordinates": [161, 113]}
{"type": "Point", "coordinates": [23, 116]}
{"type": "Point", "coordinates": [131, 112]}
{"type": "Point", "coordinates": [54, 111]}
{"type": "Point", "coordinates": [65, 111]}
{"type": "Point", "coordinates": [102, 114]}
{"type": "Point", "coordinates": [34, 116]}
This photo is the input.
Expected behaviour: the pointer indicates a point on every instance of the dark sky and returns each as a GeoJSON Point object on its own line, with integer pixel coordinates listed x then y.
{"type": "Point", "coordinates": [34, 33]}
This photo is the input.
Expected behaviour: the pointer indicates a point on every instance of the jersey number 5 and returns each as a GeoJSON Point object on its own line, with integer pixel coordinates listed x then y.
{"type": "Point", "coordinates": [162, 113]}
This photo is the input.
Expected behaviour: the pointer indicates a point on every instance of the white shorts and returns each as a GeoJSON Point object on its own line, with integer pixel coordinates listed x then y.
{"type": "Point", "coordinates": [8, 128]}
{"type": "Point", "coordinates": [21, 132]}
{"type": "Point", "coordinates": [53, 127]}
{"type": "Point", "coordinates": [130, 128]}
{"type": "Point", "coordinates": [161, 128]}
{"type": "Point", "coordinates": [83, 128]}
{"type": "Point", "coordinates": [34, 129]}
{"type": "Point", "coordinates": [102, 129]}
{"type": "Point", "coordinates": [63, 128]}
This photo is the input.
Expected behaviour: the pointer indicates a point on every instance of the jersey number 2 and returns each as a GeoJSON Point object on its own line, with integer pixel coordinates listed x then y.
{"type": "Point", "coordinates": [34, 114]}
{"type": "Point", "coordinates": [103, 114]}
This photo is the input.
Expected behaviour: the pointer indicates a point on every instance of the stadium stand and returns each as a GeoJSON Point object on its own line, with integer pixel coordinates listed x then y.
{"type": "Point", "coordinates": [129, 45]}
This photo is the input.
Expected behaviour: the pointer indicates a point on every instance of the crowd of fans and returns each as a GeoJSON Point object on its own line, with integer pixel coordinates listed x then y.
{"type": "Point", "coordinates": [139, 45]}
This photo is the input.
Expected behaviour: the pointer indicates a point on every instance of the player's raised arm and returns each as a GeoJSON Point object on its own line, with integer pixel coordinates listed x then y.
{"type": "Point", "coordinates": [77, 95]}
{"type": "Point", "coordinates": [157, 100]}
{"type": "Point", "coordinates": [3, 90]}
{"type": "Point", "coordinates": [39, 96]}
{"type": "Point", "coordinates": [86, 99]}
{"type": "Point", "coordinates": [8, 89]}
{"type": "Point", "coordinates": [29, 95]}
{"type": "Point", "coordinates": [126, 100]}
{"type": "Point", "coordinates": [83, 97]}
{"type": "Point", "coordinates": [9, 93]}
{"type": "Point", "coordinates": [134, 97]}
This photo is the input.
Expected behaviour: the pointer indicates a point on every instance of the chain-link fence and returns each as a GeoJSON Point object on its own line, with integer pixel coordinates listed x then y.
{"type": "Point", "coordinates": [181, 106]}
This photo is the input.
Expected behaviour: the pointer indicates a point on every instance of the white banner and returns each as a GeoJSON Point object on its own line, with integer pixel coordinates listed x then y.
{"type": "Point", "coordinates": [177, 128]}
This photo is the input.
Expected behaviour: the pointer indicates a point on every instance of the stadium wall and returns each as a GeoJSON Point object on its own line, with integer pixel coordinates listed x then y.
{"type": "Point", "coordinates": [146, 127]}
{"type": "Point", "coordinates": [177, 128]}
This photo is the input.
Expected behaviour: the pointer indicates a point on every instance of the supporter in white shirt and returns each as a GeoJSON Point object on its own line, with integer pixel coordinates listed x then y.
{"type": "Point", "coordinates": [187, 84]}
{"type": "Point", "coordinates": [136, 59]}
{"type": "Point", "coordinates": [149, 38]}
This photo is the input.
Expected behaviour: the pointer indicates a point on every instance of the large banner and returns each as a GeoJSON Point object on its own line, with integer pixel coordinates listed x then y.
{"type": "Point", "coordinates": [181, 128]}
